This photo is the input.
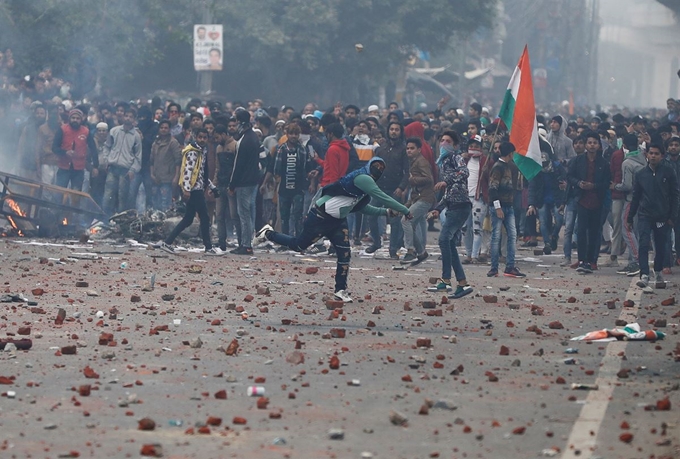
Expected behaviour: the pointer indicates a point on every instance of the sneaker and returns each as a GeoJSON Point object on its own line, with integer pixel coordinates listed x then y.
{"type": "Point", "coordinates": [166, 248]}
{"type": "Point", "coordinates": [461, 291]}
{"type": "Point", "coordinates": [483, 258]}
{"type": "Point", "coordinates": [409, 258]}
{"type": "Point", "coordinates": [553, 243]}
{"type": "Point", "coordinates": [633, 270]}
{"type": "Point", "coordinates": [343, 296]}
{"type": "Point", "coordinates": [394, 256]}
{"type": "Point", "coordinates": [466, 261]}
{"type": "Point", "coordinates": [372, 248]}
{"type": "Point", "coordinates": [420, 258]}
{"type": "Point", "coordinates": [261, 236]}
{"type": "Point", "coordinates": [566, 262]}
{"type": "Point", "coordinates": [547, 250]}
{"type": "Point", "coordinates": [575, 265]}
{"type": "Point", "coordinates": [530, 244]}
{"type": "Point", "coordinates": [214, 251]}
{"type": "Point", "coordinates": [588, 268]}
{"type": "Point", "coordinates": [611, 263]}
{"type": "Point", "coordinates": [357, 242]}
{"type": "Point", "coordinates": [317, 248]}
{"type": "Point", "coordinates": [441, 286]}
{"type": "Point", "coordinates": [658, 277]}
{"type": "Point", "coordinates": [593, 266]}
{"type": "Point", "coordinates": [493, 272]}
{"type": "Point", "coordinates": [242, 251]}
{"type": "Point", "coordinates": [667, 271]}
{"type": "Point", "coordinates": [513, 272]}
{"type": "Point", "coordinates": [584, 268]}
{"type": "Point", "coordinates": [643, 282]}
{"type": "Point", "coordinates": [624, 270]}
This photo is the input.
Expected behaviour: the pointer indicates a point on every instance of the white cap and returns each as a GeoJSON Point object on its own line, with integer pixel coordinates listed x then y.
{"type": "Point", "coordinates": [279, 122]}
{"type": "Point", "coordinates": [373, 108]}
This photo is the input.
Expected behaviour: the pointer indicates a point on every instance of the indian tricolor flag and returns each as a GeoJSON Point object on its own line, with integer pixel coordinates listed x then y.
{"type": "Point", "coordinates": [519, 115]}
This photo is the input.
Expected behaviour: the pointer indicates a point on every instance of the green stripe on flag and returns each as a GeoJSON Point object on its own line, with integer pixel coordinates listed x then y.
{"type": "Point", "coordinates": [527, 166]}
{"type": "Point", "coordinates": [507, 109]}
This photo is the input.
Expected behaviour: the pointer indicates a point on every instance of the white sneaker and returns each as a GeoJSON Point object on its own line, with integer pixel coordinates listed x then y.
{"type": "Point", "coordinates": [215, 251]}
{"type": "Point", "coordinates": [261, 236]}
{"type": "Point", "coordinates": [643, 282]}
{"type": "Point", "coordinates": [166, 248]}
{"type": "Point", "coordinates": [343, 296]}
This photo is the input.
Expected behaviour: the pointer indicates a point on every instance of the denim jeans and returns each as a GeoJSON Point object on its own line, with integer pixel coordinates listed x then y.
{"type": "Point", "coordinates": [317, 225]}
{"type": "Point", "coordinates": [550, 229]}
{"type": "Point", "coordinates": [617, 228]}
{"type": "Point", "coordinates": [195, 205]}
{"type": "Point", "coordinates": [452, 224]}
{"type": "Point", "coordinates": [162, 196]}
{"type": "Point", "coordinates": [413, 237]}
{"type": "Point", "coordinates": [291, 205]}
{"type": "Point", "coordinates": [97, 185]}
{"type": "Point", "coordinates": [589, 233]}
{"type": "Point", "coordinates": [508, 221]}
{"type": "Point", "coordinates": [72, 177]}
{"type": "Point", "coordinates": [647, 229]}
{"type": "Point", "coordinates": [116, 190]}
{"type": "Point", "coordinates": [673, 243]}
{"type": "Point", "coordinates": [396, 231]}
{"type": "Point", "coordinates": [475, 235]}
{"type": "Point", "coordinates": [143, 176]}
{"type": "Point", "coordinates": [630, 237]}
{"type": "Point", "coordinates": [569, 226]}
{"type": "Point", "coordinates": [227, 219]}
{"type": "Point", "coordinates": [244, 207]}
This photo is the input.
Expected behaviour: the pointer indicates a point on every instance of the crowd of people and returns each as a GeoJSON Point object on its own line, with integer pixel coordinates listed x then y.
{"type": "Point", "coordinates": [373, 176]}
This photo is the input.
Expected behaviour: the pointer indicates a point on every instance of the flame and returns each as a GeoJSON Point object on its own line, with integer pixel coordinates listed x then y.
{"type": "Point", "coordinates": [95, 230]}
{"type": "Point", "coordinates": [64, 221]}
{"type": "Point", "coordinates": [14, 225]}
{"type": "Point", "coordinates": [15, 207]}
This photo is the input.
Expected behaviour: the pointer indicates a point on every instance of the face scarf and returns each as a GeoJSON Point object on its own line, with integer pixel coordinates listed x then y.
{"type": "Point", "coordinates": [242, 128]}
{"type": "Point", "coordinates": [445, 150]}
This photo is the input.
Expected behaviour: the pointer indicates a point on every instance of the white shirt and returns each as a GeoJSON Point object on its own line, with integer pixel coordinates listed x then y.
{"type": "Point", "coordinates": [473, 178]}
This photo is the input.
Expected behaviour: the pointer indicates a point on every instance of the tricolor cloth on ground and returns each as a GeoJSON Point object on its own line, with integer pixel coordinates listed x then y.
{"type": "Point", "coordinates": [518, 112]}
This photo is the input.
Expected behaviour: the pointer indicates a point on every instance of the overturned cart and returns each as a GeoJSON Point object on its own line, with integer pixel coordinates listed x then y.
{"type": "Point", "coordinates": [38, 209]}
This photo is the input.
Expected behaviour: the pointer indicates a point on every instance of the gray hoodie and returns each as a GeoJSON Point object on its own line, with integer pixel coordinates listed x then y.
{"type": "Point", "coordinates": [561, 144]}
{"type": "Point", "coordinates": [634, 162]}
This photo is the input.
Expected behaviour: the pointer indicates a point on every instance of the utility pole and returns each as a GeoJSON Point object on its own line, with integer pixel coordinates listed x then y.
{"type": "Point", "coordinates": [205, 76]}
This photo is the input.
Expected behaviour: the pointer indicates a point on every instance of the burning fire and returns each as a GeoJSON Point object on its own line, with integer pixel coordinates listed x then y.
{"type": "Point", "coordinates": [14, 225]}
{"type": "Point", "coordinates": [15, 207]}
{"type": "Point", "coordinates": [64, 221]}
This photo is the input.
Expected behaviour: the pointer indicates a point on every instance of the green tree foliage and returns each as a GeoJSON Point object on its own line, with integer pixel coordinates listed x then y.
{"type": "Point", "coordinates": [271, 48]}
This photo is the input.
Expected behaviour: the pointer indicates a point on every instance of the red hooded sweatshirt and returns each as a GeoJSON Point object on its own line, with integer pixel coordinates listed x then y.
{"type": "Point", "coordinates": [416, 129]}
{"type": "Point", "coordinates": [336, 163]}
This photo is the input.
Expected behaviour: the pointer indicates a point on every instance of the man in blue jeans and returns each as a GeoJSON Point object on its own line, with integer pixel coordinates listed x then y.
{"type": "Point", "coordinates": [244, 179]}
{"type": "Point", "coordinates": [454, 174]}
{"type": "Point", "coordinates": [655, 199]}
{"type": "Point", "coordinates": [328, 218]}
{"type": "Point", "coordinates": [502, 185]}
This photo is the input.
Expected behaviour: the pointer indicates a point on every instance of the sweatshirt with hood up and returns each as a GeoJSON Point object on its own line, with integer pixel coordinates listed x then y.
{"type": "Point", "coordinates": [562, 145]}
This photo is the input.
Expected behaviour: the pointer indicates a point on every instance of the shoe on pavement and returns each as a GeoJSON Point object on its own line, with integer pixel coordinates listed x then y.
{"type": "Point", "coordinates": [547, 250]}
{"type": "Point", "coordinates": [611, 263]}
{"type": "Point", "coordinates": [242, 251]}
{"type": "Point", "coordinates": [667, 271]}
{"type": "Point", "coordinates": [420, 258]}
{"type": "Point", "coordinates": [530, 244]}
{"type": "Point", "coordinates": [493, 272]}
{"type": "Point", "coordinates": [441, 286]}
{"type": "Point", "coordinates": [643, 282]}
{"type": "Point", "coordinates": [166, 248]}
{"type": "Point", "coordinates": [658, 277]}
{"type": "Point", "coordinates": [581, 267]}
{"type": "Point", "coordinates": [513, 272]}
{"type": "Point", "coordinates": [409, 258]}
{"type": "Point", "coordinates": [575, 265]}
{"type": "Point", "coordinates": [624, 270]}
{"type": "Point", "coordinates": [461, 291]}
{"type": "Point", "coordinates": [261, 236]}
{"type": "Point", "coordinates": [593, 266]}
{"type": "Point", "coordinates": [372, 248]}
{"type": "Point", "coordinates": [633, 270]}
{"type": "Point", "coordinates": [343, 296]}
{"type": "Point", "coordinates": [566, 262]}
{"type": "Point", "coordinates": [584, 268]}
{"type": "Point", "coordinates": [215, 251]}
{"type": "Point", "coordinates": [466, 261]}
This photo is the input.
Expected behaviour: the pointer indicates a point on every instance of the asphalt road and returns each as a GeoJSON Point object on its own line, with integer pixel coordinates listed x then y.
{"type": "Point", "coordinates": [460, 397]}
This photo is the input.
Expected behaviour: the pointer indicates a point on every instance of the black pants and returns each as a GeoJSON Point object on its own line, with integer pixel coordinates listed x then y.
{"type": "Point", "coordinates": [589, 233]}
{"type": "Point", "coordinates": [195, 205]}
{"type": "Point", "coordinates": [648, 229]}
